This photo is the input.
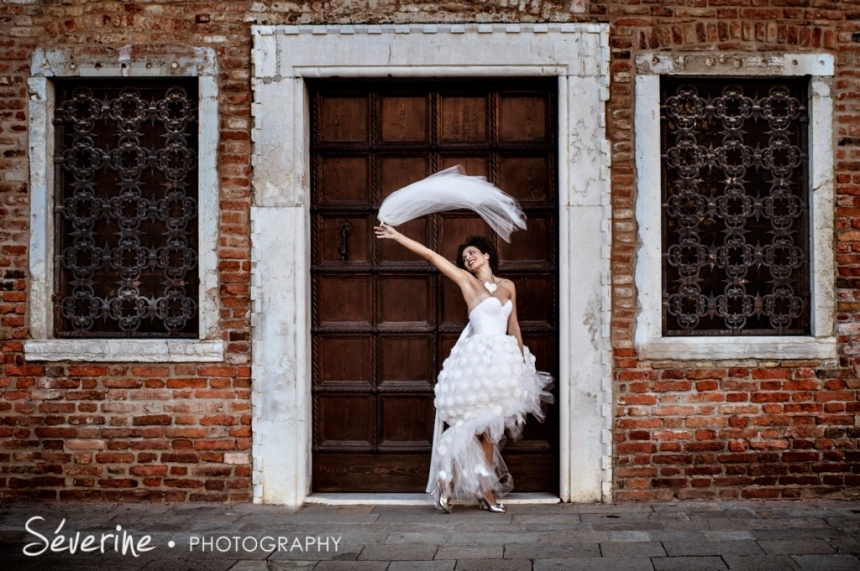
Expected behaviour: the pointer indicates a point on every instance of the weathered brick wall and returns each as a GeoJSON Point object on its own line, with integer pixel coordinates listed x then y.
{"type": "Point", "coordinates": [182, 432]}
{"type": "Point", "coordinates": [172, 432]}
{"type": "Point", "coordinates": [750, 429]}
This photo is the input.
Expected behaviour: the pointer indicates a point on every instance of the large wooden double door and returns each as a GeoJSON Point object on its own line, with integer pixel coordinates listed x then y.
{"type": "Point", "coordinates": [383, 320]}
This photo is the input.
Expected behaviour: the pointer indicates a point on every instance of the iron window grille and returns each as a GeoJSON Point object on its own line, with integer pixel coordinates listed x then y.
{"type": "Point", "coordinates": [126, 250]}
{"type": "Point", "coordinates": [735, 223]}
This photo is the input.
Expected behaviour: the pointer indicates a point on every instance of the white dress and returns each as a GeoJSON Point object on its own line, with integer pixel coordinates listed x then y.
{"type": "Point", "coordinates": [485, 386]}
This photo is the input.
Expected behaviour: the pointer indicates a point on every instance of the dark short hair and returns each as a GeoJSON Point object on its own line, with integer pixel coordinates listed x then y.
{"type": "Point", "coordinates": [482, 243]}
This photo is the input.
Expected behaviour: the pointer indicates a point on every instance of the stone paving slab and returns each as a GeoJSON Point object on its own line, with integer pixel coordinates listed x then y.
{"type": "Point", "coordinates": [520, 551]}
{"type": "Point", "coordinates": [760, 563]}
{"type": "Point", "coordinates": [632, 549]}
{"type": "Point", "coordinates": [795, 546]}
{"type": "Point", "coordinates": [688, 564]}
{"type": "Point", "coordinates": [421, 566]}
{"type": "Point", "coordinates": [494, 565]}
{"type": "Point", "coordinates": [352, 566]}
{"type": "Point", "coordinates": [398, 553]}
{"type": "Point", "coordinates": [458, 552]}
{"type": "Point", "coordinates": [846, 545]}
{"type": "Point", "coordinates": [683, 536]}
{"type": "Point", "coordinates": [287, 565]}
{"type": "Point", "coordinates": [684, 548]}
{"type": "Point", "coordinates": [593, 564]}
{"type": "Point", "coordinates": [827, 562]}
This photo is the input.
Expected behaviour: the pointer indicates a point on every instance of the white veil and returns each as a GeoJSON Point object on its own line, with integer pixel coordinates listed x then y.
{"type": "Point", "coordinates": [451, 189]}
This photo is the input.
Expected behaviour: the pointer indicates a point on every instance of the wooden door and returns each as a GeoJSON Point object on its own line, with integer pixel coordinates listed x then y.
{"type": "Point", "coordinates": [383, 320]}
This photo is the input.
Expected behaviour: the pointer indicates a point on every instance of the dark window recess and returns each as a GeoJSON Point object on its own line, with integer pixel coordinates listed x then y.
{"type": "Point", "coordinates": [735, 210]}
{"type": "Point", "coordinates": [126, 208]}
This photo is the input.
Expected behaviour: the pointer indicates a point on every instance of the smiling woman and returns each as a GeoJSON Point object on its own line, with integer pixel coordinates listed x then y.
{"type": "Point", "coordinates": [487, 386]}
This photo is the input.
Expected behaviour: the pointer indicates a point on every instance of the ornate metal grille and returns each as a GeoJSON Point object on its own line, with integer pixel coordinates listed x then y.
{"type": "Point", "coordinates": [126, 232]}
{"type": "Point", "coordinates": [735, 223]}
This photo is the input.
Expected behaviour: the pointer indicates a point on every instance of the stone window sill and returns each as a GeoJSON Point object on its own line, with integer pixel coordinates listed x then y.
{"type": "Point", "coordinates": [125, 350]}
{"type": "Point", "coordinates": [738, 348]}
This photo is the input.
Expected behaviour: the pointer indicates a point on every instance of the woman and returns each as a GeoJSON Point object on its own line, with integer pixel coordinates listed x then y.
{"type": "Point", "coordinates": [486, 386]}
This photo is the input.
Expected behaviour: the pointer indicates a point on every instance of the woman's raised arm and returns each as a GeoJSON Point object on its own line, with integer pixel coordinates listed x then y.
{"type": "Point", "coordinates": [457, 275]}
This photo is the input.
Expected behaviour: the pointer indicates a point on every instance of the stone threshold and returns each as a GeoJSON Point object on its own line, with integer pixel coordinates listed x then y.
{"type": "Point", "coordinates": [356, 499]}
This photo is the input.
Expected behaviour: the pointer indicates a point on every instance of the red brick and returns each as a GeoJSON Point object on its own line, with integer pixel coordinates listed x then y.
{"type": "Point", "coordinates": [666, 386]}
{"type": "Point", "coordinates": [118, 483]}
{"type": "Point", "coordinates": [217, 371]}
{"type": "Point", "coordinates": [221, 419]}
{"type": "Point", "coordinates": [186, 383]}
{"type": "Point", "coordinates": [150, 371]}
{"type": "Point", "coordinates": [114, 458]}
{"type": "Point", "coordinates": [87, 370]}
{"type": "Point", "coordinates": [157, 419]}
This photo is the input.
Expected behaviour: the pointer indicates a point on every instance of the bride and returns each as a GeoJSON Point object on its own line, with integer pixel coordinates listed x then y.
{"type": "Point", "coordinates": [486, 386]}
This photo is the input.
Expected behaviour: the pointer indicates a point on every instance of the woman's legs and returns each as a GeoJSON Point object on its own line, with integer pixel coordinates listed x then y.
{"type": "Point", "coordinates": [488, 446]}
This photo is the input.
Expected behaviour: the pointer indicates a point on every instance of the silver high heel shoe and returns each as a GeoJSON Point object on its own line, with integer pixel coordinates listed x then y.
{"type": "Point", "coordinates": [442, 503]}
{"type": "Point", "coordinates": [497, 508]}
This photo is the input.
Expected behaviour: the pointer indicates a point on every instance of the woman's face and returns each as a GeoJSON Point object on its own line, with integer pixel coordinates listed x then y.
{"type": "Point", "coordinates": [473, 258]}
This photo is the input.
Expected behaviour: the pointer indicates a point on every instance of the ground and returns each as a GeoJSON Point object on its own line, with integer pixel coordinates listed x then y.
{"type": "Point", "coordinates": [688, 536]}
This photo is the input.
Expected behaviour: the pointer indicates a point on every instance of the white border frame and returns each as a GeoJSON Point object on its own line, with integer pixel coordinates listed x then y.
{"type": "Point", "coordinates": [47, 64]}
{"type": "Point", "coordinates": [283, 56]}
{"type": "Point", "coordinates": [650, 343]}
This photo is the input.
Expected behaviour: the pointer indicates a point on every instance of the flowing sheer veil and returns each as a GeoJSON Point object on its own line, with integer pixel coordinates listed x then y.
{"type": "Point", "coordinates": [451, 189]}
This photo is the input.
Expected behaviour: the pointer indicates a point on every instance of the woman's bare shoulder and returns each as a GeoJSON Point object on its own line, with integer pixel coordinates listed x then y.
{"type": "Point", "coordinates": [508, 285]}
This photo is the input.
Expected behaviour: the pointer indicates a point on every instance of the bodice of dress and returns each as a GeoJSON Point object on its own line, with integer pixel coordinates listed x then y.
{"type": "Point", "coordinates": [490, 317]}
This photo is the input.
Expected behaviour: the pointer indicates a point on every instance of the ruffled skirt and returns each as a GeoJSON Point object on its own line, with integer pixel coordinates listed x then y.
{"type": "Point", "coordinates": [486, 386]}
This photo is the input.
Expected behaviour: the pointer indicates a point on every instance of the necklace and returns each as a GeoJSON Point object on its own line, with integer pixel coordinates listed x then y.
{"type": "Point", "coordinates": [491, 285]}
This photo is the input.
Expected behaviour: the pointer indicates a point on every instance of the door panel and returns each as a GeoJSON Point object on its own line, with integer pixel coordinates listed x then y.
{"type": "Point", "coordinates": [404, 119]}
{"type": "Point", "coordinates": [414, 295]}
{"type": "Point", "coordinates": [523, 118]}
{"type": "Point", "coordinates": [383, 319]}
{"type": "Point", "coordinates": [343, 179]}
{"type": "Point", "coordinates": [463, 118]}
{"type": "Point", "coordinates": [393, 254]}
{"type": "Point", "coordinates": [406, 358]}
{"type": "Point", "coordinates": [346, 421]}
{"type": "Point", "coordinates": [475, 166]}
{"type": "Point", "coordinates": [398, 171]}
{"type": "Point", "coordinates": [344, 359]}
{"type": "Point", "coordinates": [525, 178]}
{"type": "Point", "coordinates": [344, 119]}
{"type": "Point", "coordinates": [343, 238]}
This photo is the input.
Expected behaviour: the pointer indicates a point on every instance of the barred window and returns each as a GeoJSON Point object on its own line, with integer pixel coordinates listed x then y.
{"type": "Point", "coordinates": [735, 208]}
{"type": "Point", "coordinates": [126, 253]}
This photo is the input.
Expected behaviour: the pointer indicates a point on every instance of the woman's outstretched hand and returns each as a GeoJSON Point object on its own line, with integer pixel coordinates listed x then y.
{"type": "Point", "coordinates": [385, 231]}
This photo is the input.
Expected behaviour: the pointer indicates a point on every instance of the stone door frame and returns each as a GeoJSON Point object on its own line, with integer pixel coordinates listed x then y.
{"type": "Point", "coordinates": [283, 58]}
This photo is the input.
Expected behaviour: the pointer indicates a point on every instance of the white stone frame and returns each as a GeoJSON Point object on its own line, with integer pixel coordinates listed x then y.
{"type": "Point", "coordinates": [283, 57]}
{"type": "Point", "coordinates": [650, 343]}
{"type": "Point", "coordinates": [47, 64]}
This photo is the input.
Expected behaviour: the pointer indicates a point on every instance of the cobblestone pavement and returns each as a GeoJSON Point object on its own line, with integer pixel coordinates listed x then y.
{"type": "Point", "coordinates": [683, 536]}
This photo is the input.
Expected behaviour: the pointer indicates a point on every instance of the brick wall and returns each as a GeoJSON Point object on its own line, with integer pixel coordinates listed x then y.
{"type": "Point", "coordinates": [751, 429]}
{"type": "Point", "coordinates": [182, 432]}
{"type": "Point", "coordinates": [161, 432]}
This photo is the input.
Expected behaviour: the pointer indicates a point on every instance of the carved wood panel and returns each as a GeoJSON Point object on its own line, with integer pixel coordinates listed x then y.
{"type": "Point", "coordinates": [384, 320]}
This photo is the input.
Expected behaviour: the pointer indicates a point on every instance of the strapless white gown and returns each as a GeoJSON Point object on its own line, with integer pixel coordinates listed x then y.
{"type": "Point", "coordinates": [485, 386]}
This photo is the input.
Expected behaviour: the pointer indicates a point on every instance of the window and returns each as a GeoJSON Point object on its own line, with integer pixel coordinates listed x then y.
{"type": "Point", "coordinates": [126, 184]}
{"type": "Point", "coordinates": [734, 207]}
{"type": "Point", "coordinates": [734, 224]}
{"type": "Point", "coordinates": [124, 208]}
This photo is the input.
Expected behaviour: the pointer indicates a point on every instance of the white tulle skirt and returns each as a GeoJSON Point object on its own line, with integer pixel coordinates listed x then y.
{"type": "Point", "coordinates": [486, 386]}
